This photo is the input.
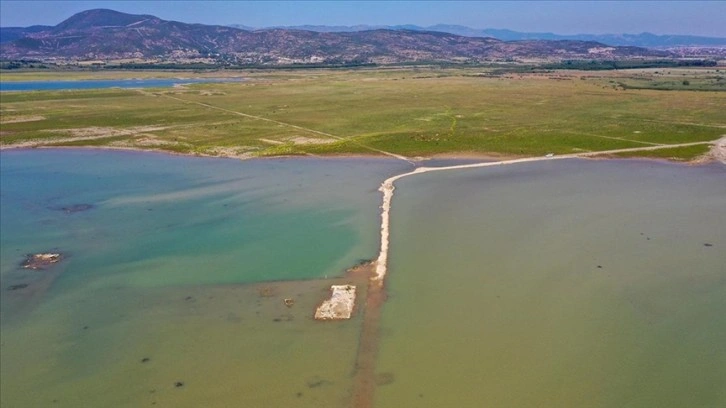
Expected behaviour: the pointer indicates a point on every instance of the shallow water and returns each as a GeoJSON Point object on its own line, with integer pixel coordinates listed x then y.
{"type": "Point", "coordinates": [102, 84]}
{"type": "Point", "coordinates": [568, 283]}
{"type": "Point", "coordinates": [179, 260]}
{"type": "Point", "coordinates": [572, 283]}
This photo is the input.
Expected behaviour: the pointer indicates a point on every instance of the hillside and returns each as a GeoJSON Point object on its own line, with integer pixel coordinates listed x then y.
{"type": "Point", "coordinates": [637, 40]}
{"type": "Point", "coordinates": [110, 35]}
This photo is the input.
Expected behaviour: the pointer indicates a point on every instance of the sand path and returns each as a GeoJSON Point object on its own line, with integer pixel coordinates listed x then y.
{"type": "Point", "coordinates": [718, 151]}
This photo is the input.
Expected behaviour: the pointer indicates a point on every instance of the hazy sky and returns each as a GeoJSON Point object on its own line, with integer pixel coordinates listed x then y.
{"type": "Point", "coordinates": [706, 18]}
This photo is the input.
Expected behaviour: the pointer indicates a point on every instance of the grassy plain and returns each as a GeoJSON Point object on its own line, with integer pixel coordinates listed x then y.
{"type": "Point", "coordinates": [687, 153]}
{"type": "Point", "coordinates": [409, 111]}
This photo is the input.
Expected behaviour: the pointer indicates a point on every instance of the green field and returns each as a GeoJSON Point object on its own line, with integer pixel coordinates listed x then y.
{"type": "Point", "coordinates": [410, 111]}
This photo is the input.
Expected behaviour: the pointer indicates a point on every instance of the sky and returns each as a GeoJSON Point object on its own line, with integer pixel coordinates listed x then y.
{"type": "Point", "coordinates": [705, 18]}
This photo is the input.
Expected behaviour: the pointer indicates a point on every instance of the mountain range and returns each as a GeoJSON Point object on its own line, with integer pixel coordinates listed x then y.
{"type": "Point", "coordinates": [637, 40]}
{"type": "Point", "coordinates": [102, 34]}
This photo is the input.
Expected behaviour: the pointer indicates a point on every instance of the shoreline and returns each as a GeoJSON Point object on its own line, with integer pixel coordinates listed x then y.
{"type": "Point", "coordinates": [716, 154]}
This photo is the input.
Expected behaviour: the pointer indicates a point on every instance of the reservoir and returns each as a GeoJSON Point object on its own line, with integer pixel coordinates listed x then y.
{"type": "Point", "coordinates": [560, 283]}
{"type": "Point", "coordinates": [178, 274]}
{"type": "Point", "coordinates": [102, 84]}
{"type": "Point", "coordinates": [557, 284]}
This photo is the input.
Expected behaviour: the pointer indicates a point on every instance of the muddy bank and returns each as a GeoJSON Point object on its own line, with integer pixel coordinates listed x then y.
{"type": "Point", "coordinates": [42, 260]}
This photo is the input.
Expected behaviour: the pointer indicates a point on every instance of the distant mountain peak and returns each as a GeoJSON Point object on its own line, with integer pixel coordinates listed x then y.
{"type": "Point", "coordinates": [102, 34]}
{"type": "Point", "coordinates": [96, 18]}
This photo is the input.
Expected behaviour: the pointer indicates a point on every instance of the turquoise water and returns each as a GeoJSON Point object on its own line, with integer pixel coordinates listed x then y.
{"type": "Point", "coordinates": [165, 220]}
{"type": "Point", "coordinates": [557, 284]}
{"type": "Point", "coordinates": [100, 84]}
{"type": "Point", "coordinates": [185, 261]}
{"type": "Point", "coordinates": [568, 283]}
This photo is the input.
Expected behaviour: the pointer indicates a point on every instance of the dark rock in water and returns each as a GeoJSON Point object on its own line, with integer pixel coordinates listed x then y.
{"type": "Point", "coordinates": [72, 209]}
{"type": "Point", "coordinates": [316, 382]}
{"type": "Point", "coordinates": [362, 262]}
{"type": "Point", "coordinates": [384, 378]}
{"type": "Point", "coordinates": [42, 260]}
{"type": "Point", "coordinates": [267, 292]}
{"type": "Point", "coordinates": [18, 286]}
{"type": "Point", "coordinates": [178, 384]}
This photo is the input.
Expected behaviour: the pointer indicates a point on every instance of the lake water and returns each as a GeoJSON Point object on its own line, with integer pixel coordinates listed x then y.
{"type": "Point", "coordinates": [180, 261]}
{"type": "Point", "coordinates": [568, 283]}
{"type": "Point", "coordinates": [101, 84]}
{"type": "Point", "coordinates": [557, 284]}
